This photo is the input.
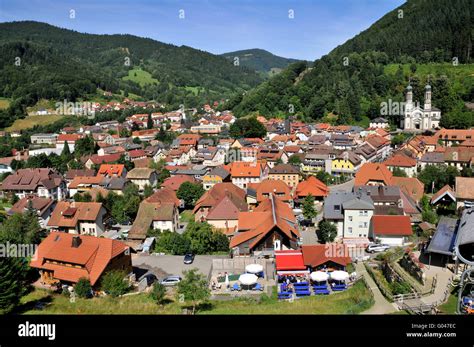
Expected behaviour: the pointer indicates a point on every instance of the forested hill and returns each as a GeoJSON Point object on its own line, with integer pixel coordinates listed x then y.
{"type": "Point", "coordinates": [417, 41]}
{"type": "Point", "coordinates": [57, 63]}
{"type": "Point", "coordinates": [260, 60]}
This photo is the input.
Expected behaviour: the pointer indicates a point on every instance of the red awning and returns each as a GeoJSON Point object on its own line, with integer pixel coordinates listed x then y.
{"type": "Point", "coordinates": [289, 261]}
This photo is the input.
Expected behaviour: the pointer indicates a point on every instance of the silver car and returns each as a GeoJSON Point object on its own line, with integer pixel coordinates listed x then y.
{"type": "Point", "coordinates": [171, 281]}
{"type": "Point", "coordinates": [377, 247]}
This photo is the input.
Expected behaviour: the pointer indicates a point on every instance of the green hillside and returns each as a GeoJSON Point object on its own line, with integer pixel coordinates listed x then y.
{"type": "Point", "coordinates": [376, 65]}
{"type": "Point", "coordinates": [55, 63]}
{"type": "Point", "coordinates": [260, 60]}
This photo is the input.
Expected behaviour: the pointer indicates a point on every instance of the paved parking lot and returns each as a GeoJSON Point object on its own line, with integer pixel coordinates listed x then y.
{"type": "Point", "coordinates": [172, 264]}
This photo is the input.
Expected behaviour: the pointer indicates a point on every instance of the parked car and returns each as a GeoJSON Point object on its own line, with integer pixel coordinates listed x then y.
{"type": "Point", "coordinates": [188, 258]}
{"type": "Point", "coordinates": [377, 247]}
{"type": "Point", "coordinates": [170, 281]}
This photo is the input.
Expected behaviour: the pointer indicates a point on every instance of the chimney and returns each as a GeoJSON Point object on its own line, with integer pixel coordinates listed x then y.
{"type": "Point", "coordinates": [76, 241]}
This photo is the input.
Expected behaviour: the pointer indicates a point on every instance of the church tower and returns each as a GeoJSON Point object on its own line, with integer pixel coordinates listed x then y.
{"type": "Point", "coordinates": [427, 106]}
{"type": "Point", "coordinates": [409, 100]}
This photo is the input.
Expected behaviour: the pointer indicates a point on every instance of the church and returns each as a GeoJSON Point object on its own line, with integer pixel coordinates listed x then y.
{"type": "Point", "coordinates": [417, 118]}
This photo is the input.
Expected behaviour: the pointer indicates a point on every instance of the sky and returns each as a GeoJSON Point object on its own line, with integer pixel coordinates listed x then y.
{"type": "Point", "coordinates": [301, 29]}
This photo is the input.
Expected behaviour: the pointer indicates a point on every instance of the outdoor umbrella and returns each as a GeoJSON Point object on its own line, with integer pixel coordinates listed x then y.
{"type": "Point", "coordinates": [319, 276]}
{"type": "Point", "coordinates": [254, 268]}
{"type": "Point", "coordinates": [248, 279]}
{"type": "Point", "coordinates": [339, 275]}
{"type": "Point", "coordinates": [226, 280]}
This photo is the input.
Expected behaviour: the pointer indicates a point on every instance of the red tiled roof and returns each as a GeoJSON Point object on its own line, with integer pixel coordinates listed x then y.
{"type": "Point", "coordinates": [83, 211]}
{"type": "Point", "coordinates": [400, 160]}
{"type": "Point", "coordinates": [311, 186]}
{"type": "Point", "coordinates": [270, 214]}
{"type": "Point", "coordinates": [93, 255]}
{"type": "Point", "coordinates": [316, 255]}
{"type": "Point", "coordinates": [391, 225]}
{"type": "Point", "coordinates": [174, 182]}
{"type": "Point", "coordinates": [70, 138]}
{"type": "Point", "coordinates": [110, 170]}
{"type": "Point", "coordinates": [373, 172]}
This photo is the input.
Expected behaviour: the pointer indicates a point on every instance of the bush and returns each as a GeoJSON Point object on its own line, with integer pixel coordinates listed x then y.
{"type": "Point", "coordinates": [158, 293]}
{"type": "Point", "coordinates": [113, 283]}
{"type": "Point", "coordinates": [83, 288]}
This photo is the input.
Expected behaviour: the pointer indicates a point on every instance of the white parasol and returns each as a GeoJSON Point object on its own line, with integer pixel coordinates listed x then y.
{"type": "Point", "coordinates": [254, 268]}
{"type": "Point", "coordinates": [319, 276]}
{"type": "Point", "coordinates": [248, 279]}
{"type": "Point", "coordinates": [339, 275]}
{"type": "Point", "coordinates": [226, 280]}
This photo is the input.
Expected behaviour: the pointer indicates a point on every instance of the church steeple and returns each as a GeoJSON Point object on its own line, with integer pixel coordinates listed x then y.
{"type": "Point", "coordinates": [427, 106]}
{"type": "Point", "coordinates": [409, 98]}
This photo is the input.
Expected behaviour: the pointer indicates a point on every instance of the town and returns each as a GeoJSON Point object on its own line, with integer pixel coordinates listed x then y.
{"type": "Point", "coordinates": [245, 208]}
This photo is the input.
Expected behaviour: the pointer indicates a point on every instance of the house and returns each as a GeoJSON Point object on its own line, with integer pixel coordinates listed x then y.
{"type": "Point", "coordinates": [47, 183]}
{"type": "Point", "coordinates": [154, 215]}
{"type": "Point", "coordinates": [388, 200]}
{"type": "Point", "coordinates": [210, 156]}
{"type": "Point", "coordinates": [243, 173]}
{"type": "Point", "coordinates": [286, 173]}
{"type": "Point", "coordinates": [270, 227]}
{"type": "Point", "coordinates": [96, 159]}
{"type": "Point", "coordinates": [391, 230]}
{"type": "Point", "coordinates": [136, 154]}
{"type": "Point", "coordinates": [70, 139]}
{"type": "Point", "coordinates": [85, 218]}
{"type": "Point", "coordinates": [146, 134]}
{"type": "Point", "coordinates": [220, 206]}
{"type": "Point", "coordinates": [380, 144]}
{"type": "Point", "coordinates": [206, 129]}
{"type": "Point", "coordinates": [366, 153]}
{"type": "Point", "coordinates": [403, 163]}
{"type": "Point", "coordinates": [350, 212]}
{"type": "Point", "coordinates": [73, 173]}
{"type": "Point", "coordinates": [81, 184]}
{"type": "Point", "coordinates": [272, 156]}
{"type": "Point", "coordinates": [411, 186]}
{"type": "Point", "coordinates": [174, 182]}
{"type": "Point", "coordinates": [112, 170]}
{"type": "Point", "coordinates": [43, 139]}
{"type": "Point", "coordinates": [142, 177]}
{"type": "Point", "coordinates": [216, 175]}
{"type": "Point", "coordinates": [451, 137]}
{"type": "Point", "coordinates": [63, 258]}
{"type": "Point", "coordinates": [325, 257]}
{"type": "Point", "coordinates": [373, 174]}
{"type": "Point", "coordinates": [42, 206]}
{"type": "Point", "coordinates": [311, 186]}
{"type": "Point", "coordinates": [188, 140]}
{"type": "Point", "coordinates": [316, 162]}
{"type": "Point", "coordinates": [346, 163]}
{"type": "Point", "coordinates": [445, 196]}
{"type": "Point", "coordinates": [379, 123]}
{"type": "Point", "coordinates": [257, 192]}
{"type": "Point", "coordinates": [164, 195]}
{"type": "Point", "coordinates": [464, 188]}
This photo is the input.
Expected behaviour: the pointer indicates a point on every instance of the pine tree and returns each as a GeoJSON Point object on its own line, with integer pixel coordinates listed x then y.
{"type": "Point", "coordinates": [12, 282]}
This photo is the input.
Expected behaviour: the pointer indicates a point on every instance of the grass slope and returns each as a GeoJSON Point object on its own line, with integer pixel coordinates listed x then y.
{"type": "Point", "coordinates": [352, 301]}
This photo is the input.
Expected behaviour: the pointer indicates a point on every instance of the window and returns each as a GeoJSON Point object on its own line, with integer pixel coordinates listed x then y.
{"type": "Point", "coordinates": [337, 208]}
{"type": "Point", "coordinates": [350, 230]}
{"type": "Point", "coordinates": [350, 218]}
